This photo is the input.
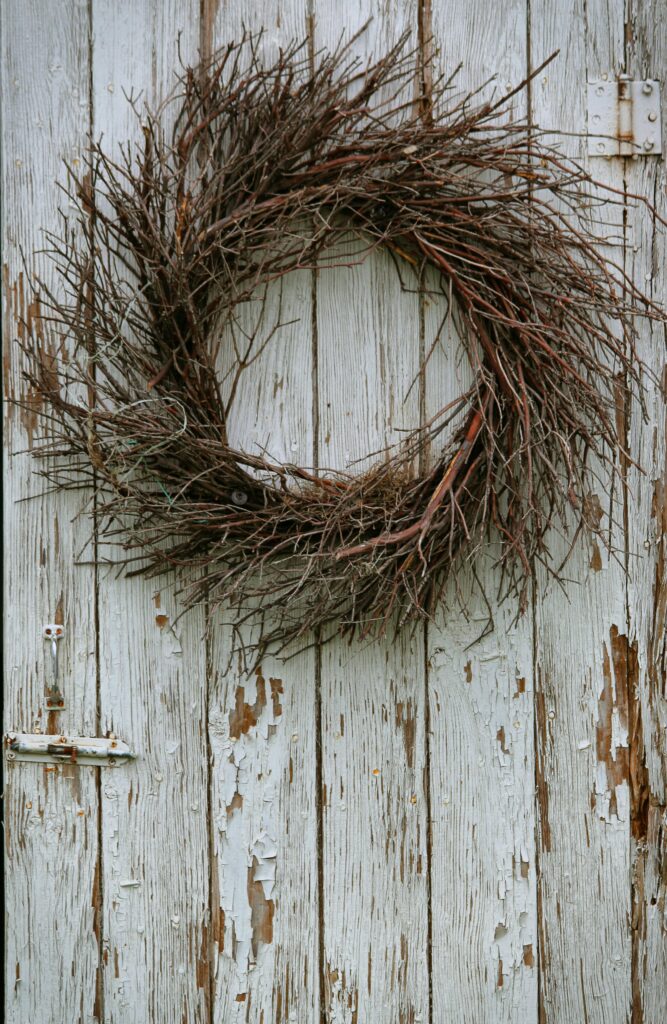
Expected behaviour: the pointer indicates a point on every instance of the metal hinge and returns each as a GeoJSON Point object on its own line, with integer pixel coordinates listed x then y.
{"type": "Point", "coordinates": [102, 751]}
{"type": "Point", "coordinates": [624, 118]}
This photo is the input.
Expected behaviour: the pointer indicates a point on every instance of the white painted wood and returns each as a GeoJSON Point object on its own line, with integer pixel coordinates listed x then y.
{"type": "Point", "coordinates": [647, 547]}
{"type": "Point", "coordinates": [51, 812]}
{"type": "Point", "coordinates": [263, 725]}
{"type": "Point", "coordinates": [264, 831]}
{"type": "Point", "coordinates": [375, 866]}
{"type": "Point", "coordinates": [481, 692]}
{"type": "Point", "coordinates": [155, 864]}
{"type": "Point", "coordinates": [229, 886]}
{"type": "Point", "coordinates": [581, 710]}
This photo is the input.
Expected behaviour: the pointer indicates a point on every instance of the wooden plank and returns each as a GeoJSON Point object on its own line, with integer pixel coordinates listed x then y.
{"type": "Point", "coordinates": [262, 725]}
{"type": "Point", "coordinates": [582, 699]}
{"type": "Point", "coordinates": [646, 57]}
{"type": "Point", "coordinates": [155, 874]}
{"type": "Point", "coordinates": [481, 691]}
{"type": "Point", "coordinates": [374, 830]}
{"type": "Point", "coordinates": [51, 813]}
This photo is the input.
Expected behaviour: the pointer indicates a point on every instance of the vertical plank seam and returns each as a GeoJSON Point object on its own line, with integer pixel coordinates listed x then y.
{"type": "Point", "coordinates": [99, 909]}
{"type": "Point", "coordinates": [634, 707]}
{"type": "Point", "coordinates": [636, 1002]}
{"type": "Point", "coordinates": [425, 60]}
{"type": "Point", "coordinates": [425, 107]}
{"type": "Point", "coordinates": [208, 917]}
{"type": "Point", "coordinates": [4, 859]}
{"type": "Point", "coordinates": [205, 48]}
{"type": "Point", "coordinates": [429, 824]}
{"type": "Point", "coordinates": [320, 1002]}
{"type": "Point", "coordinates": [539, 909]}
{"type": "Point", "coordinates": [319, 806]}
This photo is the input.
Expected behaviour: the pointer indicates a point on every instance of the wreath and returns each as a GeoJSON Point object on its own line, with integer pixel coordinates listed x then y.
{"type": "Point", "coordinates": [248, 172]}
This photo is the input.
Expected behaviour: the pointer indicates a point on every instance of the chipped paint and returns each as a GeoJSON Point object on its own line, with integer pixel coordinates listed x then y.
{"type": "Point", "coordinates": [243, 741]}
{"type": "Point", "coordinates": [541, 780]}
{"type": "Point", "coordinates": [405, 720]}
{"type": "Point", "coordinates": [620, 792]}
{"type": "Point", "coordinates": [261, 908]}
{"type": "Point", "coordinates": [610, 737]}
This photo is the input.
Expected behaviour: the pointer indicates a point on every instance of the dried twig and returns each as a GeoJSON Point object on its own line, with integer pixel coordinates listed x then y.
{"type": "Point", "coordinates": [171, 239]}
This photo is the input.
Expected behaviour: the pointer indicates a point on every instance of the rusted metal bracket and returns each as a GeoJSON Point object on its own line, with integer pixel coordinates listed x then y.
{"type": "Point", "coordinates": [624, 117]}
{"type": "Point", "coordinates": [102, 751]}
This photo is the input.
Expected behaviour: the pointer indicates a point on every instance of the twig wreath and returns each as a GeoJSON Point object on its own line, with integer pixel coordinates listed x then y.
{"type": "Point", "coordinates": [261, 171]}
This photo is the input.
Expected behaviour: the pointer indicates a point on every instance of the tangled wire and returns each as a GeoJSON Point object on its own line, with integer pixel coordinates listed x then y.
{"type": "Point", "coordinates": [247, 173]}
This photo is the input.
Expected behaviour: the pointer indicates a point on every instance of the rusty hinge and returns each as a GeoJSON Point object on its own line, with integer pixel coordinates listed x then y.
{"type": "Point", "coordinates": [102, 751]}
{"type": "Point", "coordinates": [624, 117]}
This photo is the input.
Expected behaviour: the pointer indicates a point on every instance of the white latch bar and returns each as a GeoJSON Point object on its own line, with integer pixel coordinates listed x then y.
{"type": "Point", "coordinates": [624, 117]}
{"type": "Point", "coordinates": [86, 750]}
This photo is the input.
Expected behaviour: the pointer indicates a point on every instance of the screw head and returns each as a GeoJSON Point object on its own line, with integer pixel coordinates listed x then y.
{"type": "Point", "coordinates": [647, 88]}
{"type": "Point", "coordinates": [653, 116]}
{"type": "Point", "coordinates": [648, 144]}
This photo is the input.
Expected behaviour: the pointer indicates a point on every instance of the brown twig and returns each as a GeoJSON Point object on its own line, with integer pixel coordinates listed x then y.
{"type": "Point", "coordinates": [262, 171]}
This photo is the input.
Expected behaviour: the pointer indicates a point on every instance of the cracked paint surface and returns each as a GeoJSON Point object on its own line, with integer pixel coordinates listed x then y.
{"type": "Point", "coordinates": [245, 820]}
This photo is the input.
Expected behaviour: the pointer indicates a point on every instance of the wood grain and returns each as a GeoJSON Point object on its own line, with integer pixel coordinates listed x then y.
{"type": "Point", "coordinates": [155, 830]}
{"type": "Point", "coordinates": [347, 836]}
{"type": "Point", "coordinates": [262, 724]}
{"type": "Point", "coordinates": [51, 812]}
{"type": "Point", "coordinates": [581, 637]}
{"type": "Point", "coordinates": [646, 258]}
{"type": "Point", "coordinates": [375, 868]}
{"type": "Point", "coordinates": [481, 691]}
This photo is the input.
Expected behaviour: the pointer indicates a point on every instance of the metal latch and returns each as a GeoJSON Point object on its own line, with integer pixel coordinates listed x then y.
{"type": "Point", "coordinates": [103, 751]}
{"type": "Point", "coordinates": [624, 117]}
{"type": "Point", "coordinates": [55, 699]}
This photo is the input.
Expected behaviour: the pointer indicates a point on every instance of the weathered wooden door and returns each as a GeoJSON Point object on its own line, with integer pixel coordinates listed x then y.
{"type": "Point", "coordinates": [428, 831]}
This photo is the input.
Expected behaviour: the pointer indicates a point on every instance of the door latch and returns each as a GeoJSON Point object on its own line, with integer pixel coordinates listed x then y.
{"type": "Point", "coordinates": [102, 751]}
{"type": "Point", "coordinates": [55, 699]}
{"type": "Point", "coordinates": [624, 117]}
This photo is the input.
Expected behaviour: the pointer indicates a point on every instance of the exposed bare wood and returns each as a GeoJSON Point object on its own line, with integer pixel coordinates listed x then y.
{"type": "Point", "coordinates": [375, 941]}
{"type": "Point", "coordinates": [155, 867]}
{"type": "Point", "coordinates": [347, 836]}
{"type": "Point", "coordinates": [581, 637]}
{"type": "Point", "coordinates": [480, 690]}
{"type": "Point", "coordinates": [262, 725]}
{"type": "Point", "coordinates": [646, 256]}
{"type": "Point", "coordinates": [53, 895]}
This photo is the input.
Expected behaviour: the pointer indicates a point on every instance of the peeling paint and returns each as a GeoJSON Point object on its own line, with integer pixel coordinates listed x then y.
{"type": "Point", "coordinates": [405, 720]}
{"type": "Point", "coordinates": [245, 716]}
{"type": "Point", "coordinates": [261, 908]}
{"type": "Point", "coordinates": [247, 774]}
{"type": "Point", "coordinates": [621, 786]}
{"type": "Point", "coordinates": [541, 782]}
